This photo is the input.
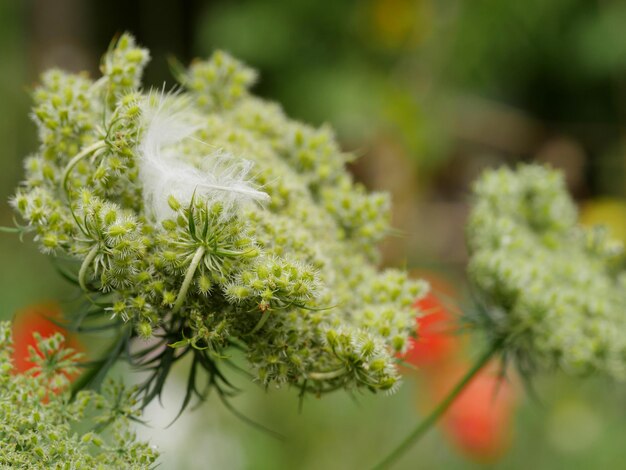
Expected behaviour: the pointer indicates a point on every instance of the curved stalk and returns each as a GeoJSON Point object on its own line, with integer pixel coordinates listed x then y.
{"type": "Point", "coordinates": [191, 270]}
{"type": "Point", "coordinates": [333, 374]}
{"type": "Point", "coordinates": [100, 82]}
{"type": "Point", "coordinates": [82, 274]}
{"type": "Point", "coordinates": [438, 412]}
{"type": "Point", "coordinates": [261, 322]}
{"type": "Point", "coordinates": [97, 371]}
{"type": "Point", "coordinates": [82, 154]}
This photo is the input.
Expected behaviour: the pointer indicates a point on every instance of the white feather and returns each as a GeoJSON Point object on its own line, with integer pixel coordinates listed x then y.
{"type": "Point", "coordinates": [168, 120]}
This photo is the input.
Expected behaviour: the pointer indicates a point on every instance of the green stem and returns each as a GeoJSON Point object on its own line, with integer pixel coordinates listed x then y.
{"type": "Point", "coordinates": [100, 82]}
{"type": "Point", "coordinates": [82, 154]}
{"type": "Point", "coordinates": [333, 374]}
{"type": "Point", "coordinates": [98, 370]}
{"type": "Point", "coordinates": [438, 412]}
{"type": "Point", "coordinates": [82, 274]}
{"type": "Point", "coordinates": [191, 270]}
{"type": "Point", "coordinates": [261, 322]}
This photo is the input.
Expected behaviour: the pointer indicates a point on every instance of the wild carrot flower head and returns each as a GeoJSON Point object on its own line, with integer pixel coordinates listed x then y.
{"type": "Point", "coordinates": [206, 219]}
{"type": "Point", "coordinates": [552, 290]}
{"type": "Point", "coordinates": [43, 430]}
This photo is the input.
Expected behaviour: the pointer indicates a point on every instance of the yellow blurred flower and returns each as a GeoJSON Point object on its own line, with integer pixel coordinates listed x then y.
{"type": "Point", "coordinates": [400, 23]}
{"type": "Point", "coordinates": [610, 212]}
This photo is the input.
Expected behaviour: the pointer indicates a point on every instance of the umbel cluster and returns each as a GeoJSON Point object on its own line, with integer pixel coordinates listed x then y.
{"type": "Point", "coordinates": [204, 219]}
{"type": "Point", "coordinates": [41, 427]}
{"type": "Point", "coordinates": [553, 293]}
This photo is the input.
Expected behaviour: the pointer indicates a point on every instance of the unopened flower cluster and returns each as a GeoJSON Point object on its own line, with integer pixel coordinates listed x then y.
{"type": "Point", "coordinates": [41, 428]}
{"type": "Point", "coordinates": [553, 291]}
{"type": "Point", "coordinates": [209, 210]}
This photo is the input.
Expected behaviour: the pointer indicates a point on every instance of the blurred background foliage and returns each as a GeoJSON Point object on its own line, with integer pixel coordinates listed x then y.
{"type": "Point", "coordinates": [427, 92]}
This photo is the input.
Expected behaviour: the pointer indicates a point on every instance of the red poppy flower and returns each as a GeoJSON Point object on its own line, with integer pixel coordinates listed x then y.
{"type": "Point", "coordinates": [436, 340]}
{"type": "Point", "coordinates": [39, 318]}
{"type": "Point", "coordinates": [479, 422]}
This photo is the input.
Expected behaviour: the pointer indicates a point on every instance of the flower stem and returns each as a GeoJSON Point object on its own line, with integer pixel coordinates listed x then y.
{"type": "Point", "coordinates": [333, 374]}
{"type": "Point", "coordinates": [82, 274]}
{"type": "Point", "coordinates": [82, 154]}
{"type": "Point", "coordinates": [261, 322]}
{"type": "Point", "coordinates": [97, 370]}
{"type": "Point", "coordinates": [191, 270]}
{"type": "Point", "coordinates": [438, 412]}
